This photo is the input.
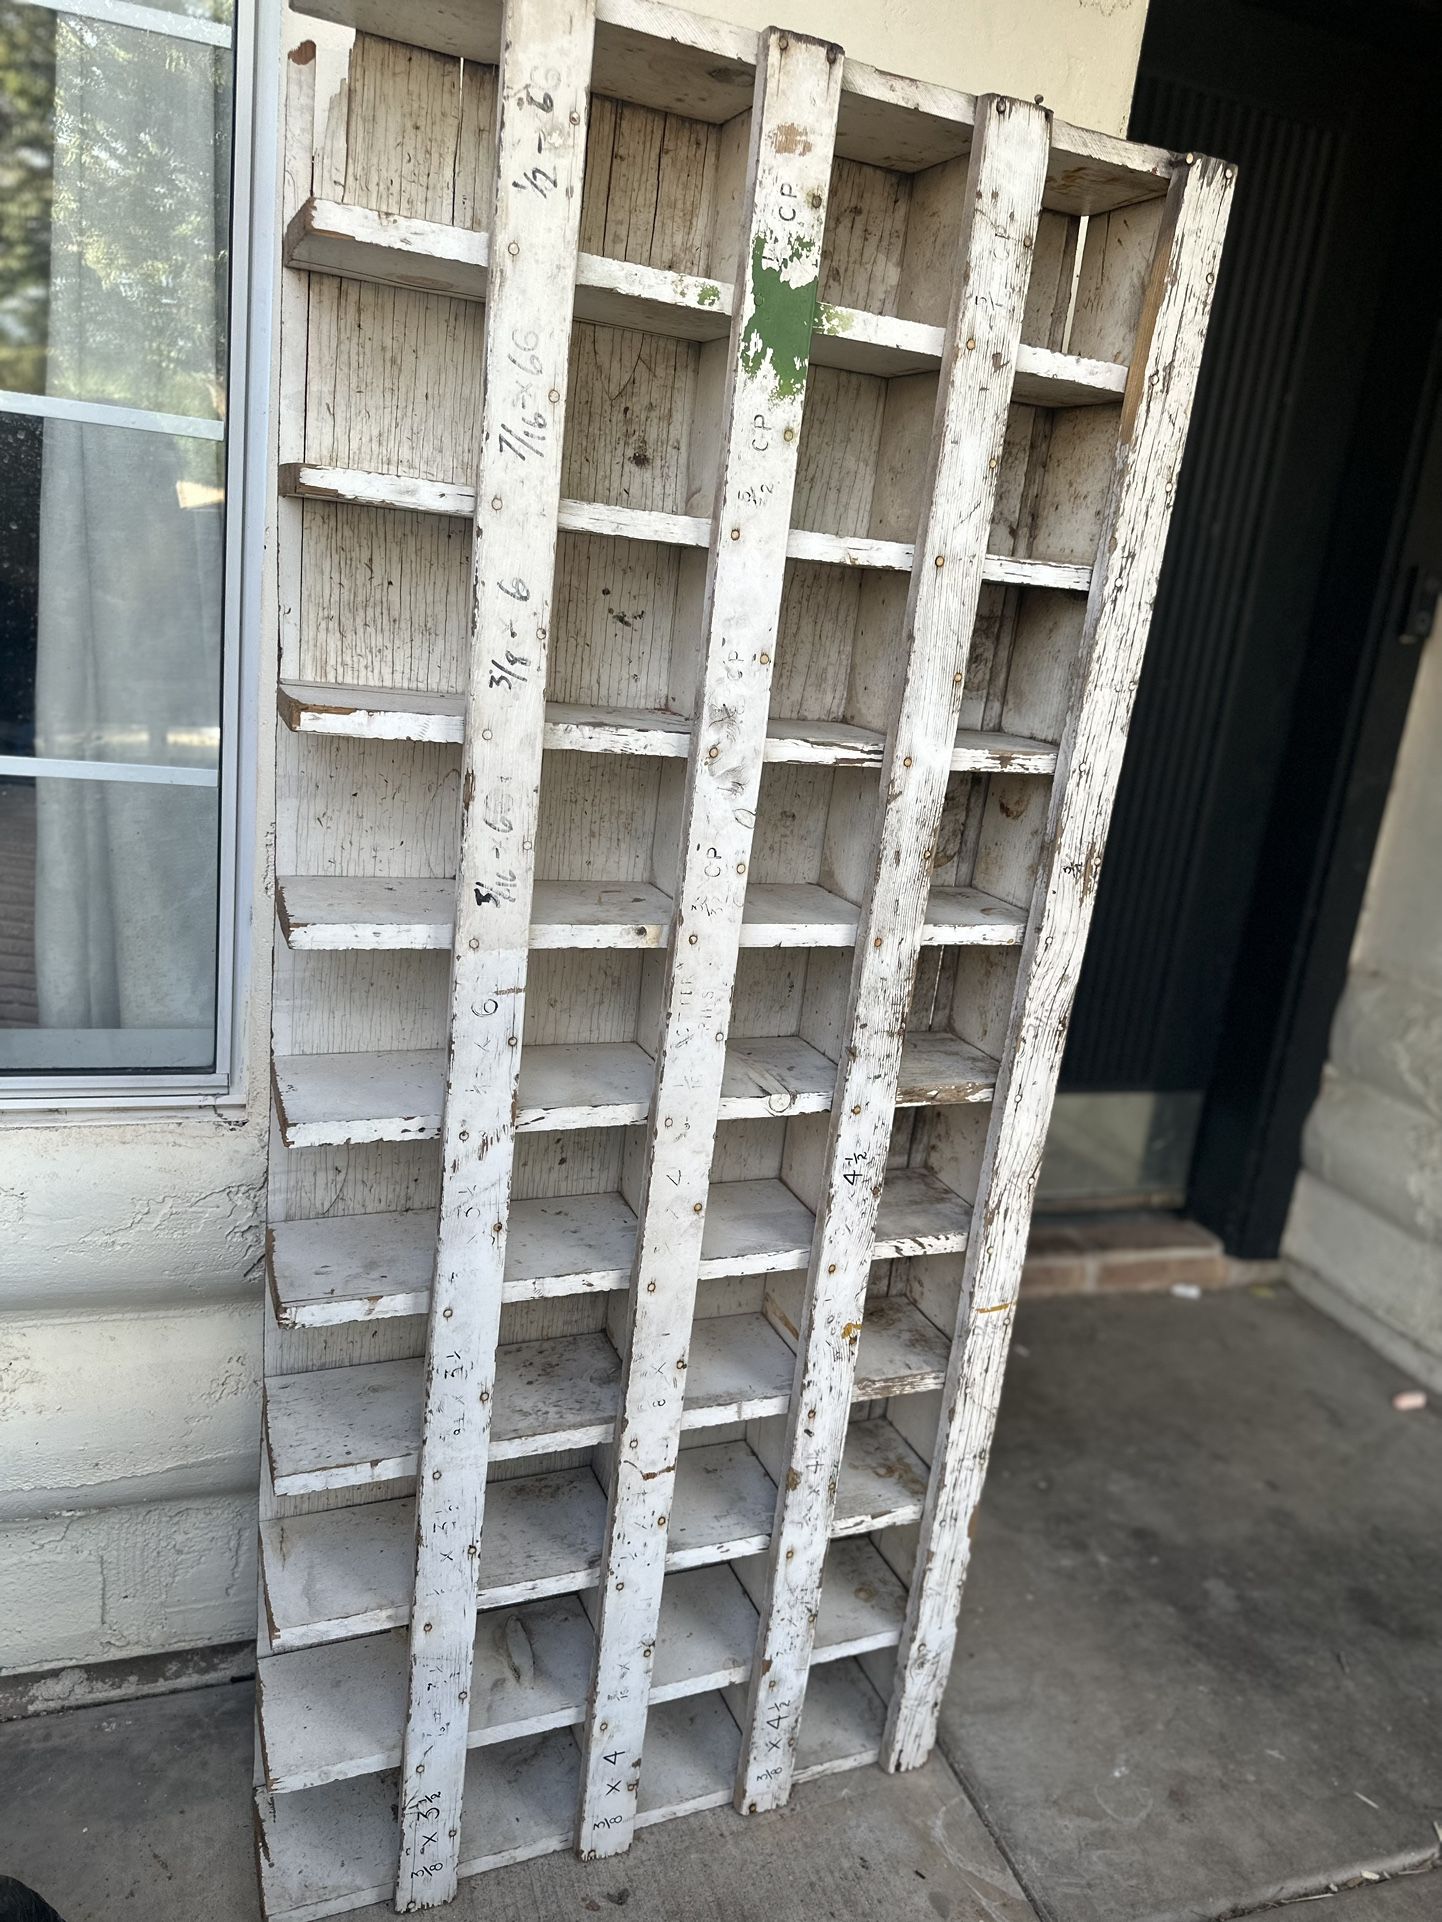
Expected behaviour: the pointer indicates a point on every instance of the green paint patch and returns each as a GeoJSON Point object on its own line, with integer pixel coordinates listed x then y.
{"type": "Point", "coordinates": [709, 296]}
{"type": "Point", "coordinates": [782, 318]}
{"type": "Point", "coordinates": [834, 320]}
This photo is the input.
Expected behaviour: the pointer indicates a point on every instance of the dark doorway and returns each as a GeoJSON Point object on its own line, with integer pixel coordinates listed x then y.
{"type": "Point", "coordinates": [1269, 712]}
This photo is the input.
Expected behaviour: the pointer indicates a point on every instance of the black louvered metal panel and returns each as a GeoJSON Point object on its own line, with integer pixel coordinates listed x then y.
{"type": "Point", "coordinates": [1128, 1031]}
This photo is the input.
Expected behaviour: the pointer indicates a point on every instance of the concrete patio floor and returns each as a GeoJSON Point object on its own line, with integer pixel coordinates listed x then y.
{"type": "Point", "coordinates": [1200, 1672]}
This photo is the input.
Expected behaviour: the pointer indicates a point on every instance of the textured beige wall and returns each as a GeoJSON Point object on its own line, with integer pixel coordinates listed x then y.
{"type": "Point", "coordinates": [1079, 55]}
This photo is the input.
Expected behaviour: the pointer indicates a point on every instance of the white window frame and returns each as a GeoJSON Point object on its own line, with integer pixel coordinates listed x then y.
{"type": "Point", "coordinates": [256, 42]}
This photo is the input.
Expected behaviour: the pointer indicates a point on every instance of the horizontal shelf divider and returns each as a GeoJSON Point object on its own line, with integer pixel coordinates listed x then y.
{"type": "Point", "coordinates": [326, 1100]}
{"type": "Point", "coordinates": [358, 1426]}
{"type": "Point", "coordinates": [350, 1268]}
{"type": "Point", "coordinates": [336, 1711]}
{"type": "Point", "coordinates": [395, 250]}
{"type": "Point", "coordinates": [348, 1572]}
{"type": "Point", "coordinates": [335, 912]}
{"type": "Point", "coordinates": [357, 487]}
{"type": "Point", "coordinates": [402, 714]}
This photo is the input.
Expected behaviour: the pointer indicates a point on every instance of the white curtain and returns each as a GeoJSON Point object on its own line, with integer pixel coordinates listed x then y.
{"type": "Point", "coordinates": [130, 599]}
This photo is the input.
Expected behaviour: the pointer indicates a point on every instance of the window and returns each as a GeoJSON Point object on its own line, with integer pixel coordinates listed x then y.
{"type": "Point", "coordinates": [117, 676]}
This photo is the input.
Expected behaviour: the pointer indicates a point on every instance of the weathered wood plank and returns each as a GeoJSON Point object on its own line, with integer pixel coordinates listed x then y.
{"type": "Point", "coordinates": [541, 143]}
{"type": "Point", "coordinates": [340, 912]}
{"type": "Point", "coordinates": [358, 487]}
{"type": "Point", "coordinates": [401, 714]}
{"type": "Point", "coordinates": [323, 1100]}
{"type": "Point", "coordinates": [1005, 181]}
{"type": "Point", "coordinates": [1154, 429]}
{"type": "Point", "coordinates": [798, 83]}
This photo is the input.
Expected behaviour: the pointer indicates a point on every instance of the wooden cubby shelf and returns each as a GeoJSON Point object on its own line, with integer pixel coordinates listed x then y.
{"type": "Point", "coordinates": [338, 912]}
{"type": "Point", "coordinates": [329, 1100]}
{"type": "Point", "coordinates": [710, 573]}
{"type": "Point", "coordinates": [358, 243]}
{"type": "Point", "coordinates": [349, 1427]}
{"type": "Point", "coordinates": [332, 1850]}
{"type": "Point", "coordinates": [352, 487]}
{"type": "Point", "coordinates": [344, 1572]}
{"type": "Point", "coordinates": [335, 1711]}
{"type": "Point", "coordinates": [368, 1267]}
{"type": "Point", "coordinates": [397, 714]}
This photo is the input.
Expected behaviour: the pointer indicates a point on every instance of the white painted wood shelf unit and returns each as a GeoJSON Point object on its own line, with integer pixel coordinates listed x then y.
{"type": "Point", "coordinates": [700, 704]}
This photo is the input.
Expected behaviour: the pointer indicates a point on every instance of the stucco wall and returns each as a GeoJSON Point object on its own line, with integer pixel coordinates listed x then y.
{"type": "Point", "coordinates": [129, 1360]}
{"type": "Point", "coordinates": [130, 1303]}
{"type": "Point", "coordinates": [1364, 1239]}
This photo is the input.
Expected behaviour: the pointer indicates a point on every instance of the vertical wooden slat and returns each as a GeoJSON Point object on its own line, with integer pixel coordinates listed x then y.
{"type": "Point", "coordinates": [798, 86]}
{"type": "Point", "coordinates": [1003, 200]}
{"type": "Point", "coordinates": [1129, 554]}
{"type": "Point", "coordinates": [285, 527]}
{"type": "Point", "coordinates": [544, 75]}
